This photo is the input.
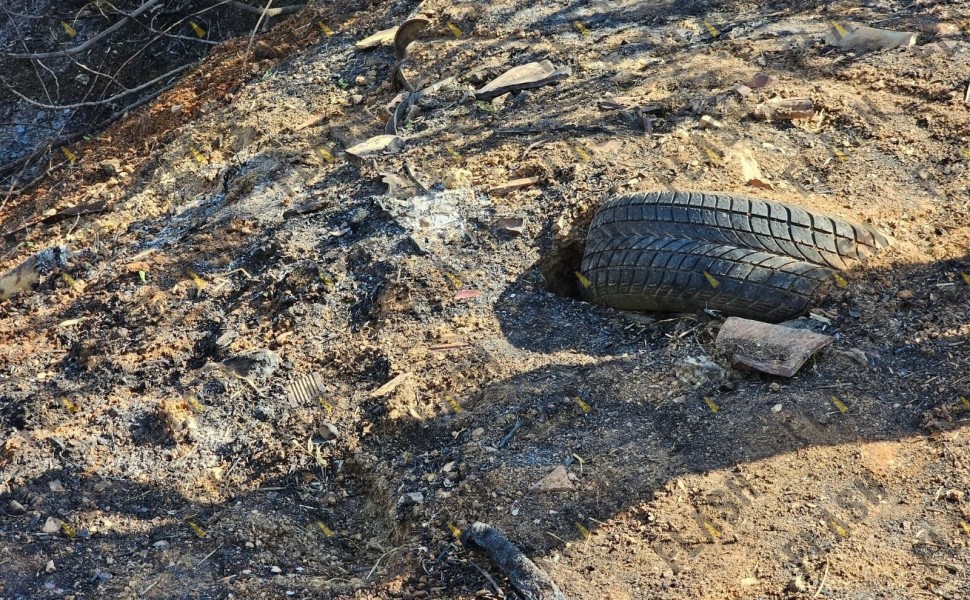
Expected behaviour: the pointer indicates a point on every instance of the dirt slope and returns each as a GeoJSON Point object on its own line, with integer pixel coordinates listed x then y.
{"type": "Point", "coordinates": [191, 411]}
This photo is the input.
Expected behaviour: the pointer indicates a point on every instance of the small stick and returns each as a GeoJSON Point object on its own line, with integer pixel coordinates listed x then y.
{"type": "Point", "coordinates": [82, 47]}
{"type": "Point", "coordinates": [527, 578]}
{"type": "Point", "coordinates": [822, 583]}
{"type": "Point", "coordinates": [145, 591]}
{"type": "Point", "coordinates": [491, 580]}
{"type": "Point", "coordinates": [209, 555]}
{"type": "Point", "coordinates": [449, 346]}
{"type": "Point", "coordinates": [252, 35]}
{"type": "Point", "coordinates": [508, 436]}
{"type": "Point", "coordinates": [409, 169]}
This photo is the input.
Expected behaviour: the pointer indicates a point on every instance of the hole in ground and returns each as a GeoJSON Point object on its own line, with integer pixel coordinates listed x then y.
{"type": "Point", "coordinates": [560, 266]}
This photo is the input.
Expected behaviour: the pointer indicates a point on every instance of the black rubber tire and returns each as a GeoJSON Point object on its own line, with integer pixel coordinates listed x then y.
{"type": "Point", "coordinates": [667, 275]}
{"type": "Point", "coordinates": [739, 221]}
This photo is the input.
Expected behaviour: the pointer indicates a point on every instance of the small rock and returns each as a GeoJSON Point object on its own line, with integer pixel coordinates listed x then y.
{"type": "Point", "coordinates": [555, 481]}
{"type": "Point", "coordinates": [749, 581]}
{"type": "Point", "coordinates": [111, 167]}
{"type": "Point", "coordinates": [328, 431]}
{"type": "Point", "coordinates": [275, 569]}
{"type": "Point", "coordinates": [17, 508]}
{"type": "Point", "coordinates": [774, 386]}
{"type": "Point", "coordinates": [416, 497]}
{"type": "Point", "coordinates": [51, 525]}
{"type": "Point", "coordinates": [698, 370]}
{"type": "Point", "coordinates": [258, 363]}
{"type": "Point", "coordinates": [50, 567]}
{"type": "Point", "coordinates": [499, 101]}
{"type": "Point", "coordinates": [56, 486]}
{"type": "Point", "coordinates": [709, 122]}
{"type": "Point", "coordinates": [904, 295]}
{"type": "Point", "coordinates": [513, 225]}
{"type": "Point", "coordinates": [776, 408]}
{"type": "Point", "coordinates": [264, 51]}
{"type": "Point", "coordinates": [379, 144]}
{"type": "Point", "coordinates": [478, 432]}
{"type": "Point", "coordinates": [458, 178]}
{"type": "Point", "coordinates": [160, 544]}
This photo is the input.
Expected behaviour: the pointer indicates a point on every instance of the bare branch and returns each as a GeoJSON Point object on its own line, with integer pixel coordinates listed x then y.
{"type": "Point", "coordinates": [64, 140]}
{"type": "Point", "coordinates": [98, 102]}
{"type": "Point", "coordinates": [81, 48]}
{"type": "Point", "coordinates": [33, 64]}
{"type": "Point", "coordinates": [164, 33]}
{"type": "Point", "coordinates": [97, 73]}
{"type": "Point", "coordinates": [271, 12]}
{"type": "Point", "coordinates": [252, 35]}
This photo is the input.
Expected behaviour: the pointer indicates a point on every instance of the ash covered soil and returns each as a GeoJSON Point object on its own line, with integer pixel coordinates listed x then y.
{"type": "Point", "coordinates": [275, 370]}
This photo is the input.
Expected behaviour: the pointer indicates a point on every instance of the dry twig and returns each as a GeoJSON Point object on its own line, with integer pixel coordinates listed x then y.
{"type": "Point", "coordinates": [84, 46]}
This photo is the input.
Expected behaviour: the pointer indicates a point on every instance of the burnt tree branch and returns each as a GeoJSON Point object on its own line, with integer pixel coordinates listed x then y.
{"type": "Point", "coordinates": [528, 579]}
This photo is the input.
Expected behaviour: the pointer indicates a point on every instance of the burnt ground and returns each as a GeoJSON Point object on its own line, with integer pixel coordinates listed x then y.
{"type": "Point", "coordinates": [168, 408]}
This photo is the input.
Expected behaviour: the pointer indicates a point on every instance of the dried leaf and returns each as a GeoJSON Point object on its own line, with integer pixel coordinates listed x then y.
{"type": "Point", "coordinates": [761, 80]}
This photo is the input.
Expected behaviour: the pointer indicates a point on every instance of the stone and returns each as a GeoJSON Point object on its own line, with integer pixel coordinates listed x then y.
{"type": "Point", "coordinates": [556, 481]}
{"type": "Point", "coordinates": [772, 349]}
{"type": "Point", "coordinates": [51, 525]}
{"type": "Point", "coordinates": [111, 167]}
